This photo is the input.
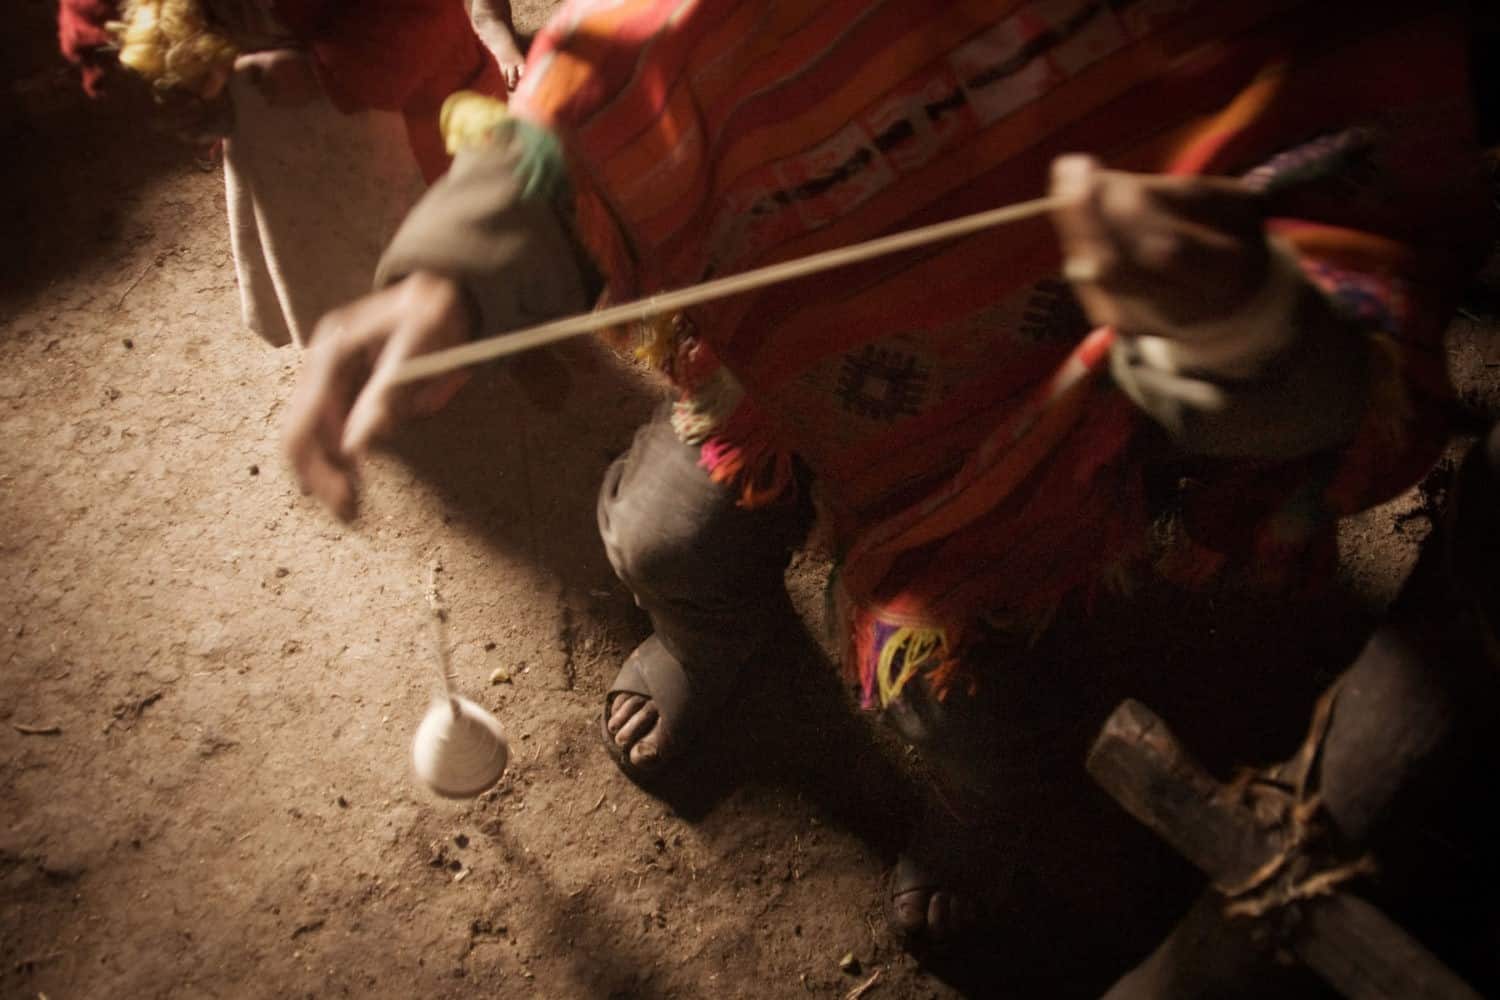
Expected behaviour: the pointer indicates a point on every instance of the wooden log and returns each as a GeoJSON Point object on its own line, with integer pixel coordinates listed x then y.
{"type": "Point", "coordinates": [1395, 712]}
{"type": "Point", "coordinates": [1354, 947]}
{"type": "Point", "coordinates": [1362, 953]}
{"type": "Point", "coordinates": [1206, 957]}
{"type": "Point", "coordinates": [1139, 762]}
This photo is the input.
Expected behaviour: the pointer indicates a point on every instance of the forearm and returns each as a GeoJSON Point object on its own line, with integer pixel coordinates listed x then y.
{"type": "Point", "coordinates": [509, 245]}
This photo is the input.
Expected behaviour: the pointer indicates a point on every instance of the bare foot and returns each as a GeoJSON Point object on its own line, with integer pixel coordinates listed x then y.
{"type": "Point", "coordinates": [930, 904]}
{"type": "Point", "coordinates": [933, 915]}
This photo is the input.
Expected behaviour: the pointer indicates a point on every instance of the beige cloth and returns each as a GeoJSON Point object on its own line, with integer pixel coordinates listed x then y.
{"type": "Point", "coordinates": [314, 196]}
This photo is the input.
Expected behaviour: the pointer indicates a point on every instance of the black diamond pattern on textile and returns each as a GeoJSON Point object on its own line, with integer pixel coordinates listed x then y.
{"type": "Point", "coordinates": [882, 384]}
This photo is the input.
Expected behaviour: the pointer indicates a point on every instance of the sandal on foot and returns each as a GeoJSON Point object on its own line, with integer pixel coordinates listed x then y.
{"type": "Point", "coordinates": [676, 703]}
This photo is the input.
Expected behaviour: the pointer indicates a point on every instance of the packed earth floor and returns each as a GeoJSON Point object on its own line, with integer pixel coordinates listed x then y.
{"type": "Point", "coordinates": [208, 687]}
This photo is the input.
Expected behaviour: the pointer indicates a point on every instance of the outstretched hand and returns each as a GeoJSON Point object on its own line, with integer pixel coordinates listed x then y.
{"type": "Point", "coordinates": [346, 398]}
{"type": "Point", "coordinates": [1154, 255]}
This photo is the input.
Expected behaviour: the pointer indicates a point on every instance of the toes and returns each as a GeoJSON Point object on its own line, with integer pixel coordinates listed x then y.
{"type": "Point", "coordinates": [644, 753]}
{"type": "Point", "coordinates": [937, 917]}
{"type": "Point", "coordinates": [632, 725]}
{"type": "Point", "coordinates": [940, 916]}
{"type": "Point", "coordinates": [910, 911]}
{"type": "Point", "coordinates": [622, 709]}
{"type": "Point", "coordinates": [638, 725]}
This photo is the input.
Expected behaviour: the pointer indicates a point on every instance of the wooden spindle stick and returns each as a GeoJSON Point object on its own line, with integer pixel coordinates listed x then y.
{"type": "Point", "coordinates": [490, 348]}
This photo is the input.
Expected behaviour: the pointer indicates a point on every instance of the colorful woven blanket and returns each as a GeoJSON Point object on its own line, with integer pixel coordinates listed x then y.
{"type": "Point", "coordinates": [970, 453]}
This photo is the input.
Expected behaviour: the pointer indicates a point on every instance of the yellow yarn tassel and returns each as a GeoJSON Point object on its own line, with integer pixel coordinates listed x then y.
{"type": "Point", "coordinates": [469, 120]}
{"type": "Point", "coordinates": [171, 44]}
{"type": "Point", "coordinates": [916, 648]}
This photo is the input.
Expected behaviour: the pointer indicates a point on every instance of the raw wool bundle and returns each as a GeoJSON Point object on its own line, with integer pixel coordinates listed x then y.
{"type": "Point", "coordinates": [469, 120]}
{"type": "Point", "coordinates": [172, 44]}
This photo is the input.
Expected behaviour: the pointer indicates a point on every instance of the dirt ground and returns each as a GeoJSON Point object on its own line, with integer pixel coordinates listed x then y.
{"type": "Point", "coordinates": [220, 802]}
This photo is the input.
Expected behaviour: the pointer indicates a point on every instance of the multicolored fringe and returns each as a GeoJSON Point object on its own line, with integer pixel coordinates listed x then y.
{"type": "Point", "coordinates": [885, 655]}
{"type": "Point", "coordinates": [738, 449]}
{"type": "Point", "coordinates": [744, 456]}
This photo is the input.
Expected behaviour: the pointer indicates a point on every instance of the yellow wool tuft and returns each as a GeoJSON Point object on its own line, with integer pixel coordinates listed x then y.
{"type": "Point", "coordinates": [917, 648]}
{"type": "Point", "coordinates": [171, 44]}
{"type": "Point", "coordinates": [469, 120]}
{"type": "Point", "coordinates": [659, 336]}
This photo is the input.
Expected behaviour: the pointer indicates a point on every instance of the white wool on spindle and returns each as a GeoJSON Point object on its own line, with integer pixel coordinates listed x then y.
{"type": "Point", "coordinates": [459, 754]}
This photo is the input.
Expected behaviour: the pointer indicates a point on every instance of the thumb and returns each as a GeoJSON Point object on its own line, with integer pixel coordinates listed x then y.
{"type": "Point", "coordinates": [374, 410]}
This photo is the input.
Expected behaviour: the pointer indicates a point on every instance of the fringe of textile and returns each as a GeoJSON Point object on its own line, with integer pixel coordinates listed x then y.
{"type": "Point", "coordinates": [884, 654]}
{"type": "Point", "coordinates": [744, 457]}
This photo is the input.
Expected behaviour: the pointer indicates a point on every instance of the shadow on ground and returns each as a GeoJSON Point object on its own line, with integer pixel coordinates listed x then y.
{"type": "Point", "coordinates": [1234, 672]}
{"type": "Point", "coordinates": [59, 220]}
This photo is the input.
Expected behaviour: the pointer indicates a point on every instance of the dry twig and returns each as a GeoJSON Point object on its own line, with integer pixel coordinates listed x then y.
{"type": "Point", "coordinates": [26, 730]}
{"type": "Point", "coordinates": [864, 987]}
{"type": "Point", "coordinates": [138, 279]}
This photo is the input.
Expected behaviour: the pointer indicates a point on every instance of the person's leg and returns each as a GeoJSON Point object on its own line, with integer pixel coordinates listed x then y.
{"type": "Point", "coordinates": [706, 571]}
{"type": "Point", "coordinates": [496, 28]}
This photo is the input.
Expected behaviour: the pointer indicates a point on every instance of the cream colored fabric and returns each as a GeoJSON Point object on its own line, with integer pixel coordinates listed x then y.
{"type": "Point", "coordinates": [313, 196]}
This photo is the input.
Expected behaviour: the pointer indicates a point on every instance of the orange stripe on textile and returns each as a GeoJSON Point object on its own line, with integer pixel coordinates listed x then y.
{"type": "Point", "coordinates": [1011, 453]}
{"type": "Point", "coordinates": [1203, 146]}
{"type": "Point", "coordinates": [1076, 524]}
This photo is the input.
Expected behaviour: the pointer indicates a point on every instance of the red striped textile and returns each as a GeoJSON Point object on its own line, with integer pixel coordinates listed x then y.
{"type": "Point", "coordinates": [969, 449]}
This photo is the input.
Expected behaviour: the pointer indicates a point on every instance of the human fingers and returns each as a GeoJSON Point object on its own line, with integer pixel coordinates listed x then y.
{"type": "Point", "coordinates": [315, 416]}
{"type": "Point", "coordinates": [1086, 243]}
{"type": "Point", "coordinates": [423, 313]}
{"type": "Point", "coordinates": [1222, 203]}
{"type": "Point", "coordinates": [1151, 254]}
{"type": "Point", "coordinates": [1190, 248]}
{"type": "Point", "coordinates": [1088, 250]}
